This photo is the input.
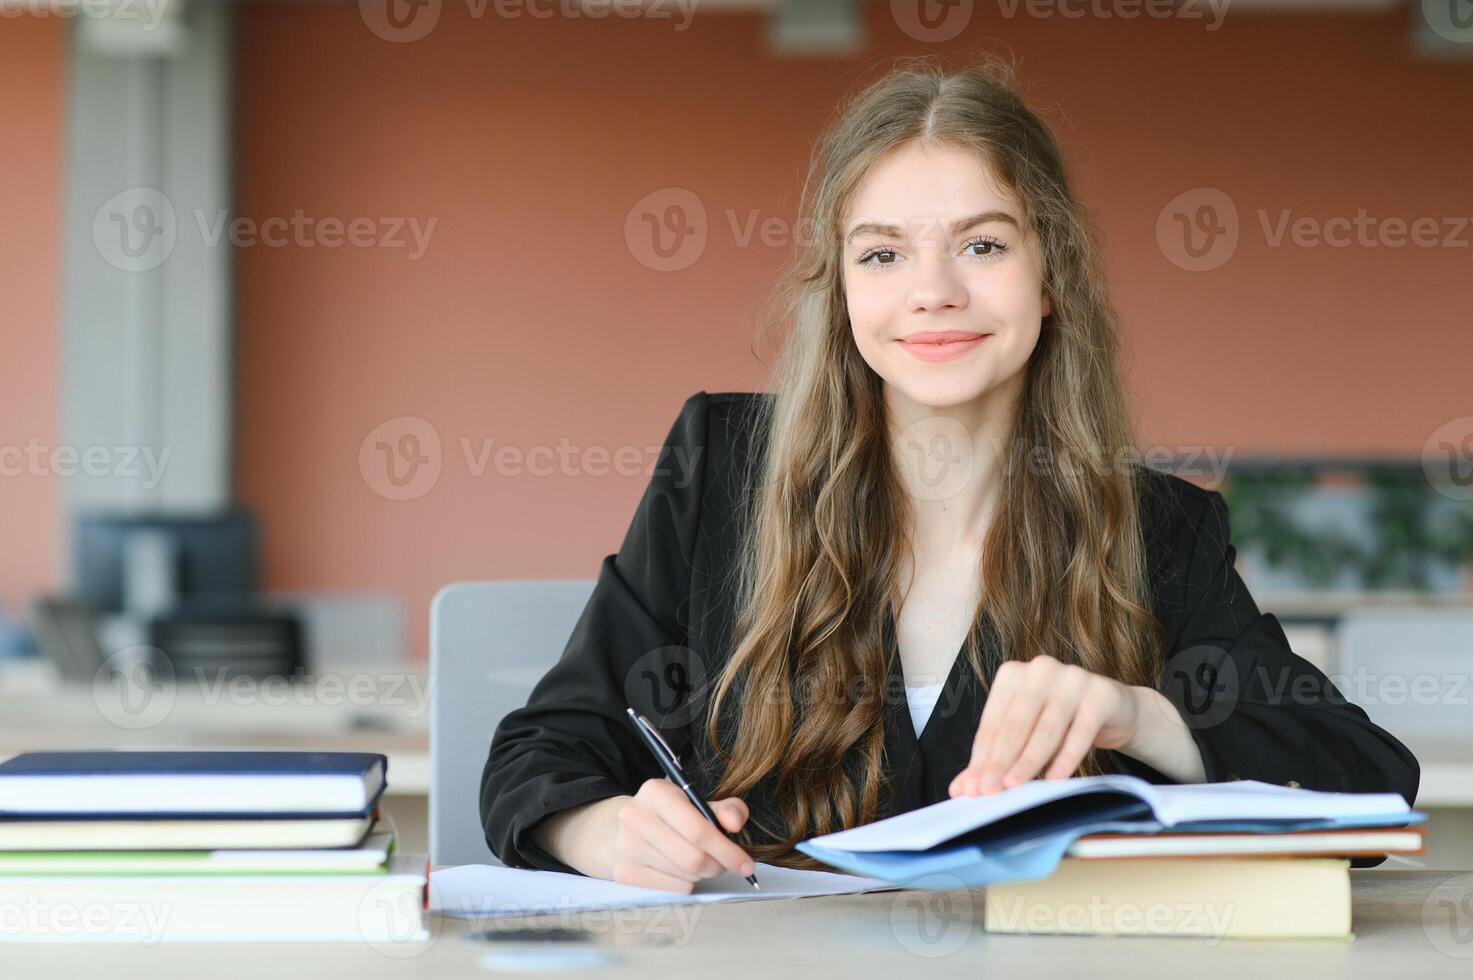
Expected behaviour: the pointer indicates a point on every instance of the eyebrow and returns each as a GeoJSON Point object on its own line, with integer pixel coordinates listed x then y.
{"type": "Point", "coordinates": [957, 227]}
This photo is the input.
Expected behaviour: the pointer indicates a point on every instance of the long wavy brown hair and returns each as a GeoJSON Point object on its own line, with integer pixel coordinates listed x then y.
{"type": "Point", "coordinates": [1062, 562]}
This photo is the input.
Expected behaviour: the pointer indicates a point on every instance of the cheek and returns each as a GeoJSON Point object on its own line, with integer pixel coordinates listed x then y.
{"type": "Point", "coordinates": [866, 316]}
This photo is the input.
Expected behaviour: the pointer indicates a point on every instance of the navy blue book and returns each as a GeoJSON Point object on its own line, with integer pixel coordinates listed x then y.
{"type": "Point", "coordinates": [190, 784]}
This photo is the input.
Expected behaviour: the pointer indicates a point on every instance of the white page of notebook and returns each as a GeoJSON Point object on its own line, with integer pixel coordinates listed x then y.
{"type": "Point", "coordinates": [918, 830]}
{"type": "Point", "coordinates": [474, 891]}
{"type": "Point", "coordinates": [1249, 799]}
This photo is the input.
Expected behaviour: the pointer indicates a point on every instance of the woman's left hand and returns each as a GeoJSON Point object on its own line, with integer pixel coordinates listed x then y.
{"type": "Point", "coordinates": [1044, 716]}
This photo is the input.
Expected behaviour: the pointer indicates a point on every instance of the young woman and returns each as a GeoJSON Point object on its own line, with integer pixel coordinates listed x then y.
{"type": "Point", "coordinates": [924, 565]}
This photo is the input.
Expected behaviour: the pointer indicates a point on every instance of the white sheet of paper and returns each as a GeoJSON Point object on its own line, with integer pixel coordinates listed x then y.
{"type": "Point", "coordinates": [474, 891]}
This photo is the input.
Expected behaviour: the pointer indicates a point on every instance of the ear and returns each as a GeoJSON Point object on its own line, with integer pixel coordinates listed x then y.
{"type": "Point", "coordinates": [1048, 305]}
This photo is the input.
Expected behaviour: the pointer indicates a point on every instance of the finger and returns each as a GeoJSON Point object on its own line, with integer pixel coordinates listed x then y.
{"type": "Point", "coordinates": [1081, 736]}
{"type": "Point", "coordinates": [687, 821]}
{"type": "Point", "coordinates": [732, 813]}
{"type": "Point", "coordinates": [667, 851]}
{"type": "Point", "coordinates": [1017, 725]}
{"type": "Point", "coordinates": [1048, 733]}
{"type": "Point", "coordinates": [644, 876]}
{"type": "Point", "coordinates": [998, 699]}
{"type": "Point", "coordinates": [669, 803]}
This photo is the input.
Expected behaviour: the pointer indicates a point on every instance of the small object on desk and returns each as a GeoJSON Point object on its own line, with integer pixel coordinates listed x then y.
{"type": "Point", "coordinates": [671, 764]}
{"type": "Point", "coordinates": [553, 934]}
{"type": "Point", "coordinates": [521, 959]}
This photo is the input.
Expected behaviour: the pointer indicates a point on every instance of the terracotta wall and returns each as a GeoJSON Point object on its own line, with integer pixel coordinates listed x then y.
{"type": "Point", "coordinates": [529, 322]}
{"type": "Point", "coordinates": [32, 74]}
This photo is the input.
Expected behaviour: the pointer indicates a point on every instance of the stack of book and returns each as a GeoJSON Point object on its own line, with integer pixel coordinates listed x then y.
{"type": "Point", "coordinates": [1115, 855]}
{"type": "Point", "coordinates": [198, 846]}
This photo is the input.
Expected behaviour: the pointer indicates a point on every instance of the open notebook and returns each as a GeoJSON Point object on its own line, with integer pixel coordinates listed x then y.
{"type": "Point", "coordinates": [1020, 834]}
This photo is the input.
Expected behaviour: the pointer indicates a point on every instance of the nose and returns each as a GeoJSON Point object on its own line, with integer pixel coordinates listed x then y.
{"type": "Point", "coordinates": [935, 285]}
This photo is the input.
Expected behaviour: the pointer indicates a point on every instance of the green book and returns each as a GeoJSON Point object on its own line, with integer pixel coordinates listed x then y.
{"type": "Point", "coordinates": [368, 858]}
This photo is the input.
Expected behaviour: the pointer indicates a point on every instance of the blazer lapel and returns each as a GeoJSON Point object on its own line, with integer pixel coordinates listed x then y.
{"type": "Point", "coordinates": [946, 741]}
{"type": "Point", "coordinates": [902, 763]}
{"type": "Point", "coordinates": [922, 769]}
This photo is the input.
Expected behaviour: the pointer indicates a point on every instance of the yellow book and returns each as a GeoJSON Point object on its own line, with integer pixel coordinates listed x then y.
{"type": "Point", "coordinates": [1217, 898]}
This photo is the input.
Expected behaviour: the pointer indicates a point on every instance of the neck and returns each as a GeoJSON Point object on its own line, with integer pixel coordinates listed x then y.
{"type": "Point", "coordinates": [950, 462]}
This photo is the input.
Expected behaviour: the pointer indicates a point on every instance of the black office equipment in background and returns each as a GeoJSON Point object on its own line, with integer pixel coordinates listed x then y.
{"type": "Point", "coordinates": [214, 558]}
{"type": "Point", "coordinates": [184, 587]}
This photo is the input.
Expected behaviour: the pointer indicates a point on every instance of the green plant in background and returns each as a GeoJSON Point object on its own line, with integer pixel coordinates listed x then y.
{"type": "Point", "coordinates": [1402, 514]}
{"type": "Point", "coordinates": [1401, 509]}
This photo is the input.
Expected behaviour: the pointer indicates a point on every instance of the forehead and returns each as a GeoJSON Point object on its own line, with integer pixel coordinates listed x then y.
{"type": "Point", "coordinates": [919, 181]}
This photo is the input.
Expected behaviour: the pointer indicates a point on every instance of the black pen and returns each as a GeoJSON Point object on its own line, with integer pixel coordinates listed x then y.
{"type": "Point", "coordinates": [671, 765]}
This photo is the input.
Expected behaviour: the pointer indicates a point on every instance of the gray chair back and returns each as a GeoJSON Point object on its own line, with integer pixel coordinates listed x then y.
{"type": "Point", "coordinates": [1406, 668]}
{"type": "Point", "coordinates": [490, 642]}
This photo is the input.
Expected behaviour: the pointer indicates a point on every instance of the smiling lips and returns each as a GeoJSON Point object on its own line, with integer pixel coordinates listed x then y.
{"type": "Point", "coordinates": [933, 346]}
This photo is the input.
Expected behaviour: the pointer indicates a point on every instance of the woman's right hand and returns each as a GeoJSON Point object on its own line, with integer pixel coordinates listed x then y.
{"type": "Point", "coordinates": [660, 840]}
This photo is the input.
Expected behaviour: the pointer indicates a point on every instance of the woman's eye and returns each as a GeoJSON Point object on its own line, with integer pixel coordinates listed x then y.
{"type": "Point", "coordinates": [867, 256]}
{"type": "Point", "coordinates": [993, 247]}
{"type": "Point", "coordinates": [990, 248]}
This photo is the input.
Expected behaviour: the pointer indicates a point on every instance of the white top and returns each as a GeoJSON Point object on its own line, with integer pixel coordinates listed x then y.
{"type": "Point", "coordinates": [921, 699]}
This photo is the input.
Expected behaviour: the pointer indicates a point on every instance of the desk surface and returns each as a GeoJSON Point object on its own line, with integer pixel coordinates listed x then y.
{"type": "Point", "coordinates": [1403, 921]}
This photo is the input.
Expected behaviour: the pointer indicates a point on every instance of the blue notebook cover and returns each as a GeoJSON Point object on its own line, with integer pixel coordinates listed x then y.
{"type": "Point", "coordinates": [224, 761]}
{"type": "Point", "coordinates": [1028, 845]}
{"type": "Point", "coordinates": [145, 764]}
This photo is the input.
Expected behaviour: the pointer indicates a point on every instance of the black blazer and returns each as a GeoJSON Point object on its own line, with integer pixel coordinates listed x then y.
{"type": "Point", "coordinates": [659, 623]}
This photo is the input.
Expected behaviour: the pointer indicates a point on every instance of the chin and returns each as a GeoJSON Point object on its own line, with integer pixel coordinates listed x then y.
{"type": "Point", "coordinates": [942, 393]}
